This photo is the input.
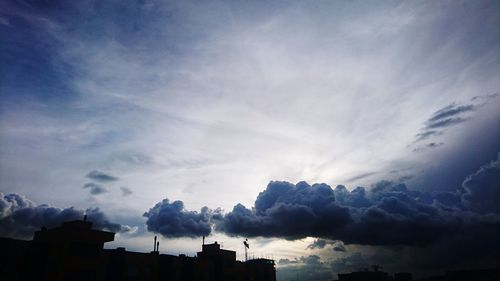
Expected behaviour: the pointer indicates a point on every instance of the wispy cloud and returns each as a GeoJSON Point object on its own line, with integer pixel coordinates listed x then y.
{"type": "Point", "coordinates": [126, 191]}
{"type": "Point", "coordinates": [447, 113]}
{"type": "Point", "coordinates": [101, 176]}
{"type": "Point", "coordinates": [360, 176]}
{"type": "Point", "coordinates": [95, 189]}
{"type": "Point", "coordinates": [445, 117]}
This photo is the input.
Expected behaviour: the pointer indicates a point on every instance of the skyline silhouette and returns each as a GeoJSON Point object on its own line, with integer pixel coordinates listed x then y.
{"type": "Point", "coordinates": [74, 251]}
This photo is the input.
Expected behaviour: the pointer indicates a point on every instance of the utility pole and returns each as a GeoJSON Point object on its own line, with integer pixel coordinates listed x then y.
{"type": "Point", "coordinates": [247, 246]}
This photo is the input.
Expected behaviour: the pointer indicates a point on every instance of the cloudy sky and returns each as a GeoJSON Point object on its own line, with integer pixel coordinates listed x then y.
{"type": "Point", "coordinates": [332, 134]}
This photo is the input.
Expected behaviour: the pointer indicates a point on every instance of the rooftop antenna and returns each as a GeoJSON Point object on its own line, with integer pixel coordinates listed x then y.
{"type": "Point", "coordinates": [158, 246]}
{"type": "Point", "coordinates": [203, 240]}
{"type": "Point", "coordinates": [247, 246]}
{"type": "Point", "coordinates": [154, 245]}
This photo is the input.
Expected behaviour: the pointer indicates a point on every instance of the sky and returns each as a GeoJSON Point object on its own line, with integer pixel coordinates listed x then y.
{"type": "Point", "coordinates": [334, 135]}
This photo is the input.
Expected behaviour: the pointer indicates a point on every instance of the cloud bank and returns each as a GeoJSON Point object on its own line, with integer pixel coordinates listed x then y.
{"type": "Point", "coordinates": [289, 211]}
{"type": "Point", "coordinates": [387, 214]}
{"type": "Point", "coordinates": [20, 217]}
{"type": "Point", "coordinates": [172, 220]}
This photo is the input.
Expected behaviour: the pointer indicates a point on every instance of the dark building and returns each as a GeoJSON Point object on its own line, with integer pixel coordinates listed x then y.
{"type": "Point", "coordinates": [74, 251]}
{"type": "Point", "coordinates": [211, 264]}
{"type": "Point", "coordinates": [468, 275]}
{"type": "Point", "coordinates": [403, 276]}
{"type": "Point", "coordinates": [69, 252]}
{"type": "Point", "coordinates": [374, 275]}
{"type": "Point", "coordinates": [364, 276]}
{"type": "Point", "coordinates": [473, 275]}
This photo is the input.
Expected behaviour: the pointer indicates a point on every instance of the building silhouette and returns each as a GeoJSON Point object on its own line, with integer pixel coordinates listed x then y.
{"type": "Point", "coordinates": [375, 275]}
{"type": "Point", "coordinates": [74, 252]}
{"type": "Point", "coordinates": [467, 275]}
{"type": "Point", "coordinates": [457, 275]}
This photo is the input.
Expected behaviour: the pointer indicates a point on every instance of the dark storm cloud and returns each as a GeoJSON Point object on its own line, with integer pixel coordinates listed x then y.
{"type": "Point", "coordinates": [444, 118]}
{"type": "Point", "coordinates": [95, 189]}
{"type": "Point", "coordinates": [289, 211]}
{"type": "Point", "coordinates": [101, 176]}
{"type": "Point", "coordinates": [355, 198]}
{"type": "Point", "coordinates": [172, 220]}
{"type": "Point", "coordinates": [296, 211]}
{"type": "Point", "coordinates": [388, 214]}
{"type": "Point", "coordinates": [20, 217]}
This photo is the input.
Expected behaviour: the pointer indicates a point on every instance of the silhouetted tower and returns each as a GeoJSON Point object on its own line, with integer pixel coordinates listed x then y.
{"type": "Point", "coordinates": [247, 246]}
{"type": "Point", "coordinates": [154, 245]}
{"type": "Point", "coordinates": [158, 246]}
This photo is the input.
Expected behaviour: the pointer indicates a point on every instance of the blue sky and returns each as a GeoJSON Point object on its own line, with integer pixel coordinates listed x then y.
{"type": "Point", "coordinates": [119, 105]}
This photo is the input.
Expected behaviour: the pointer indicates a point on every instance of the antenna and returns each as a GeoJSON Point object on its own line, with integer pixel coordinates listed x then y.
{"type": "Point", "coordinates": [247, 246]}
{"type": "Point", "coordinates": [154, 245]}
{"type": "Point", "coordinates": [203, 240]}
{"type": "Point", "coordinates": [158, 246]}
